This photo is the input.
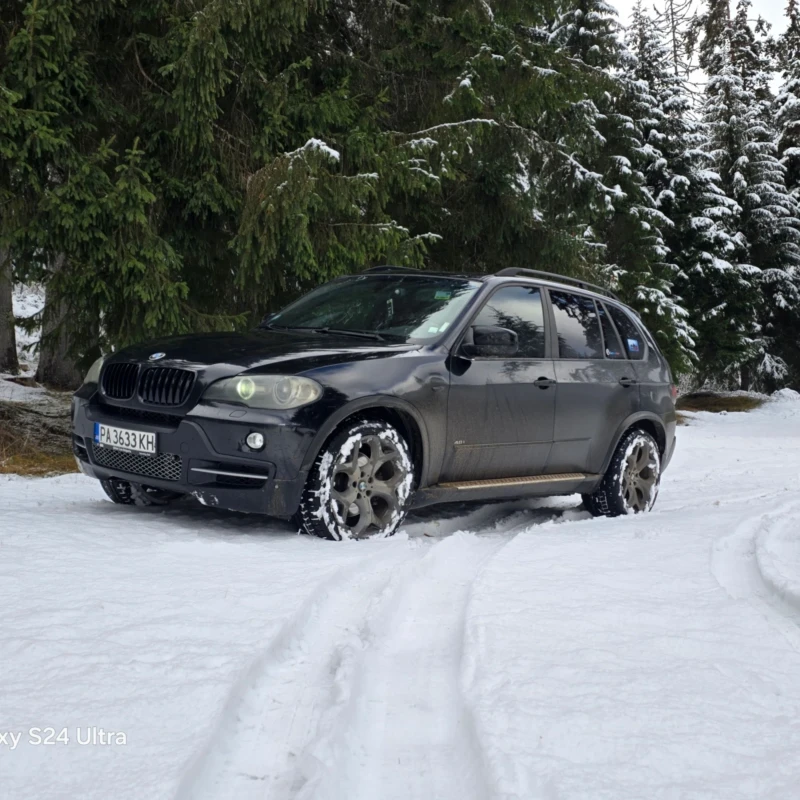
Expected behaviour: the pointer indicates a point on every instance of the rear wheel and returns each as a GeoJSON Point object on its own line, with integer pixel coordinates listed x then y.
{"type": "Point", "coordinates": [360, 484]}
{"type": "Point", "coordinates": [136, 494]}
{"type": "Point", "coordinates": [631, 484]}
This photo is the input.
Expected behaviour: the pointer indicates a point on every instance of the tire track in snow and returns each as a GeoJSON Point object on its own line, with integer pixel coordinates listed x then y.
{"type": "Point", "coordinates": [739, 563]}
{"type": "Point", "coordinates": [784, 586]}
{"type": "Point", "coordinates": [403, 728]}
{"type": "Point", "coordinates": [274, 711]}
{"type": "Point", "coordinates": [473, 516]}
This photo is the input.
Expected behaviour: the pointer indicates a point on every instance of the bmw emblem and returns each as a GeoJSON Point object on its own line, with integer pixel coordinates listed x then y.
{"type": "Point", "coordinates": [158, 356]}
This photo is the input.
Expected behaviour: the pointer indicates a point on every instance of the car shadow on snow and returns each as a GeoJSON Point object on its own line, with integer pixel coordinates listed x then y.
{"type": "Point", "coordinates": [480, 517]}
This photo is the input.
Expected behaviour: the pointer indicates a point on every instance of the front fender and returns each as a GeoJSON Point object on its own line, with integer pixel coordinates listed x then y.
{"type": "Point", "coordinates": [365, 404]}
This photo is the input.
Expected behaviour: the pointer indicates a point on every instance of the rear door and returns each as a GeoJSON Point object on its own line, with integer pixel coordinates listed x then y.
{"type": "Point", "coordinates": [597, 385]}
{"type": "Point", "coordinates": [501, 410]}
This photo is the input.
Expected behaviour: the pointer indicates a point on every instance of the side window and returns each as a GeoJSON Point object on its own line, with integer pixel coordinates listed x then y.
{"type": "Point", "coordinates": [612, 342]}
{"type": "Point", "coordinates": [632, 338]}
{"type": "Point", "coordinates": [578, 326]}
{"type": "Point", "coordinates": [518, 308]}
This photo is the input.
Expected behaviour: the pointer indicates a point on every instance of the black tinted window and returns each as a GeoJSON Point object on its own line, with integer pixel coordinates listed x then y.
{"type": "Point", "coordinates": [518, 308]}
{"type": "Point", "coordinates": [612, 342]}
{"type": "Point", "coordinates": [632, 338]}
{"type": "Point", "coordinates": [577, 325]}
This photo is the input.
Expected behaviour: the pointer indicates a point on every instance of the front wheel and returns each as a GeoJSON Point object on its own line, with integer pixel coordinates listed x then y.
{"type": "Point", "coordinates": [135, 494]}
{"type": "Point", "coordinates": [631, 483]}
{"type": "Point", "coordinates": [360, 484]}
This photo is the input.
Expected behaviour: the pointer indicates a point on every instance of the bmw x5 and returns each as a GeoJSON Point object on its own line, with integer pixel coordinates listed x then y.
{"type": "Point", "coordinates": [385, 391]}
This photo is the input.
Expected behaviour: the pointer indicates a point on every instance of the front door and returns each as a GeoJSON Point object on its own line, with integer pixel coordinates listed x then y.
{"type": "Point", "coordinates": [501, 410]}
{"type": "Point", "coordinates": [597, 384]}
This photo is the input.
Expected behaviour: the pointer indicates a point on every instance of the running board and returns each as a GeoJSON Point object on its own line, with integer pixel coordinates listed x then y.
{"type": "Point", "coordinates": [465, 486]}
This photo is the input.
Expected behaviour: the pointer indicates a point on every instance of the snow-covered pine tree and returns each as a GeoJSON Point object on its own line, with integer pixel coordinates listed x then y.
{"type": "Point", "coordinates": [787, 103]}
{"type": "Point", "coordinates": [625, 218]}
{"type": "Point", "coordinates": [450, 121]}
{"type": "Point", "coordinates": [771, 219]}
{"type": "Point", "coordinates": [787, 121]}
{"type": "Point", "coordinates": [766, 230]}
{"type": "Point", "coordinates": [679, 174]}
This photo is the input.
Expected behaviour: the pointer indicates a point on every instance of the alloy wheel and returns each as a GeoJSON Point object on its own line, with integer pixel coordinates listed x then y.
{"type": "Point", "coordinates": [640, 476]}
{"type": "Point", "coordinates": [367, 485]}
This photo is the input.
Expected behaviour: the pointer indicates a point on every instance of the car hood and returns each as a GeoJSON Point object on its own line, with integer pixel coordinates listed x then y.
{"type": "Point", "coordinates": [260, 351]}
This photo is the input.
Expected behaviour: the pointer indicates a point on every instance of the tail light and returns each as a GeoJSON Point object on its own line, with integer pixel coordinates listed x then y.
{"type": "Point", "coordinates": [673, 390]}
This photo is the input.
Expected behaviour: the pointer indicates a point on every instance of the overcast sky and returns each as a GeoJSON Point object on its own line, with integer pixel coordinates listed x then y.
{"type": "Point", "coordinates": [771, 10]}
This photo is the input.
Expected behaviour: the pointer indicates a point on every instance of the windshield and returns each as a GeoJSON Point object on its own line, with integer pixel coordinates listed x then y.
{"type": "Point", "coordinates": [409, 308]}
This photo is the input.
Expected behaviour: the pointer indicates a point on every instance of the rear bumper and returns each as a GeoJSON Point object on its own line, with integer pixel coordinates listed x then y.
{"type": "Point", "coordinates": [227, 475]}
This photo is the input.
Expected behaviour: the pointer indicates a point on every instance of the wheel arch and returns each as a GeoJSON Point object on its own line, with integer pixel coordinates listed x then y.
{"type": "Point", "coordinates": [392, 410]}
{"type": "Point", "coordinates": [649, 423]}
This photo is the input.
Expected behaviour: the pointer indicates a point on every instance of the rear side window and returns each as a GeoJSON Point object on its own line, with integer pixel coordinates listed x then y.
{"type": "Point", "coordinates": [632, 337]}
{"type": "Point", "coordinates": [578, 326]}
{"type": "Point", "coordinates": [612, 342]}
{"type": "Point", "coordinates": [518, 308]}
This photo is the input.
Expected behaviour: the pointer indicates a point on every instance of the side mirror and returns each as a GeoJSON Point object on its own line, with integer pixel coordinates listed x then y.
{"type": "Point", "coordinates": [491, 342]}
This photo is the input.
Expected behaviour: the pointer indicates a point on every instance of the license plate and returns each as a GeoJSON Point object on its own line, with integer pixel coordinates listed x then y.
{"type": "Point", "coordinates": [123, 439]}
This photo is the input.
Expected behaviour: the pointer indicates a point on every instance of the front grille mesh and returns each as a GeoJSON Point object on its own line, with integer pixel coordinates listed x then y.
{"type": "Point", "coordinates": [119, 380]}
{"type": "Point", "coordinates": [163, 466]}
{"type": "Point", "coordinates": [165, 386]}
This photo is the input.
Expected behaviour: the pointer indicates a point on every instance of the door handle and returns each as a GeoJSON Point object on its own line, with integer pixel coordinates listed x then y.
{"type": "Point", "coordinates": [627, 382]}
{"type": "Point", "coordinates": [544, 383]}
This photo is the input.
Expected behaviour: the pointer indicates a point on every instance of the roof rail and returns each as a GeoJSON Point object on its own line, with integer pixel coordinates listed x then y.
{"type": "Point", "coordinates": [389, 268]}
{"type": "Point", "coordinates": [513, 272]}
{"type": "Point", "coordinates": [415, 271]}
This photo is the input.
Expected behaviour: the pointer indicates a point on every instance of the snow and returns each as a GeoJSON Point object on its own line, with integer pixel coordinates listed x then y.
{"type": "Point", "coordinates": [316, 144]}
{"type": "Point", "coordinates": [28, 301]}
{"type": "Point", "coordinates": [510, 650]}
{"type": "Point", "coordinates": [13, 392]}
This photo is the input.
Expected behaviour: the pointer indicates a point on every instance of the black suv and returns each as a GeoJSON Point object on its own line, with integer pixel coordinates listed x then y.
{"type": "Point", "coordinates": [389, 390]}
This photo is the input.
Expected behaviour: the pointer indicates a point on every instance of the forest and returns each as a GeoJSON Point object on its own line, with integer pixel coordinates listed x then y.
{"type": "Point", "coordinates": [170, 166]}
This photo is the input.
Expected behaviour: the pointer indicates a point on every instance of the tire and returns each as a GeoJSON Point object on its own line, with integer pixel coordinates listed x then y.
{"type": "Point", "coordinates": [150, 496]}
{"type": "Point", "coordinates": [125, 493]}
{"type": "Point", "coordinates": [360, 484]}
{"type": "Point", "coordinates": [118, 491]}
{"type": "Point", "coordinates": [631, 483]}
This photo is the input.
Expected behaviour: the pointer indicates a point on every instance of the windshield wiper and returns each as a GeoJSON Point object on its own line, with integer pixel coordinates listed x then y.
{"type": "Point", "coordinates": [270, 327]}
{"type": "Point", "coordinates": [334, 331]}
{"type": "Point", "coordinates": [355, 334]}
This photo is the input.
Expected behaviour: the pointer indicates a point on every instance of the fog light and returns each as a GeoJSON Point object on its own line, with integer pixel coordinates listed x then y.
{"type": "Point", "coordinates": [255, 441]}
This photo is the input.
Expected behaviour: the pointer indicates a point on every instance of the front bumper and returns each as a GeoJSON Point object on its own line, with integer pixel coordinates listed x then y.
{"type": "Point", "coordinates": [202, 456]}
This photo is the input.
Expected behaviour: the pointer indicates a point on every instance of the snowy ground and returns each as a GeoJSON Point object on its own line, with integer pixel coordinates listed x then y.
{"type": "Point", "coordinates": [504, 651]}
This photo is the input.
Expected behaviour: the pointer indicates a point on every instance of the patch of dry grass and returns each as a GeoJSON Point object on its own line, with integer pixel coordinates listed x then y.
{"type": "Point", "coordinates": [709, 401]}
{"type": "Point", "coordinates": [36, 465]}
{"type": "Point", "coordinates": [35, 442]}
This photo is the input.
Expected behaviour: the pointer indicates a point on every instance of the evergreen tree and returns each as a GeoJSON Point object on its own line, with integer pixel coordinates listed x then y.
{"type": "Point", "coordinates": [766, 229]}
{"type": "Point", "coordinates": [787, 104]}
{"type": "Point", "coordinates": [211, 160]}
{"type": "Point", "coordinates": [680, 177]}
{"type": "Point", "coordinates": [624, 217]}
{"type": "Point", "coordinates": [8, 342]}
{"type": "Point", "coordinates": [787, 120]}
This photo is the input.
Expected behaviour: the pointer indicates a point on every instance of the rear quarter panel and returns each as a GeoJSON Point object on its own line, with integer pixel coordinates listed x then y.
{"type": "Point", "coordinates": [655, 381]}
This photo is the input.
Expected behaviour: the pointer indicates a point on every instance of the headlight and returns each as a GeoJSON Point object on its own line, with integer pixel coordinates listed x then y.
{"type": "Point", "coordinates": [93, 375]}
{"type": "Point", "coordinates": [265, 391]}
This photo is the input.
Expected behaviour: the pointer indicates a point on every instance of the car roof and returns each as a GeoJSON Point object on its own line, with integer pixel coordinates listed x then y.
{"type": "Point", "coordinates": [547, 278]}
